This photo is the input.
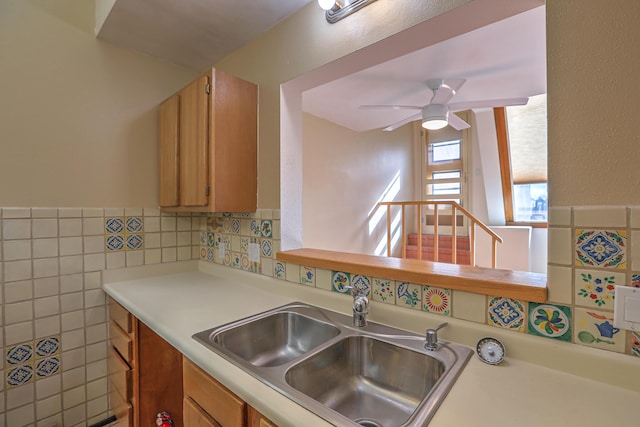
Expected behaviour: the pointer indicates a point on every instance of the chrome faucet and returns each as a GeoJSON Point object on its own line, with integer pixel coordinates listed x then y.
{"type": "Point", "coordinates": [432, 337]}
{"type": "Point", "coordinates": [360, 307]}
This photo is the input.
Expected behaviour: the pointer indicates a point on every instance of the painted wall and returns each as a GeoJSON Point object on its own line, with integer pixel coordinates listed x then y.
{"type": "Point", "coordinates": [345, 174]}
{"type": "Point", "coordinates": [78, 116]}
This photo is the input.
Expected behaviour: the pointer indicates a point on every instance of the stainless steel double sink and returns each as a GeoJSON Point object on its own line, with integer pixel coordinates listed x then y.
{"type": "Point", "coordinates": [374, 376]}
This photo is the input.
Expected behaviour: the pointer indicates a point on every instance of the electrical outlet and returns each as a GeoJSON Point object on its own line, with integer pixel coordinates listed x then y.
{"type": "Point", "coordinates": [626, 308]}
{"type": "Point", "coordinates": [254, 252]}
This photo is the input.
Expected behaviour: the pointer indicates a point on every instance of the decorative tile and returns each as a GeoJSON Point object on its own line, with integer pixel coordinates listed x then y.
{"type": "Point", "coordinates": [436, 300]}
{"type": "Point", "coordinates": [19, 354]}
{"type": "Point", "coordinates": [409, 295]}
{"type": "Point", "coordinates": [236, 259]}
{"type": "Point", "coordinates": [19, 375]}
{"type": "Point", "coordinates": [135, 241]}
{"type": "Point", "coordinates": [362, 283]}
{"type": "Point", "coordinates": [245, 264]}
{"type": "Point", "coordinates": [266, 228]}
{"type": "Point", "coordinates": [506, 313]}
{"type": "Point", "coordinates": [307, 276]}
{"type": "Point", "coordinates": [115, 243]}
{"type": "Point", "coordinates": [227, 258]}
{"type": "Point", "coordinates": [226, 225]}
{"type": "Point", "coordinates": [210, 254]}
{"type": "Point", "coordinates": [266, 247]}
{"type": "Point", "coordinates": [113, 225]}
{"type": "Point", "coordinates": [601, 248]}
{"type": "Point", "coordinates": [47, 367]}
{"type": "Point", "coordinates": [340, 282]}
{"type": "Point", "coordinates": [203, 253]}
{"type": "Point", "coordinates": [635, 280]}
{"type": "Point", "coordinates": [47, 346]}
{"type": "Point", "coordinates": [254, 228]}
{"type": "Point", "coordinates": [235, 226]}
{"type": "Point", "coordinates": [210, 239]}
{"type": "Point", "coordinates": [134, 224]}
{"type": "Point", "coordinates": [384, 290]}
{"type": "Point", "coordinates": [279, 270]}
{"type": "Point", "coordinates": [595, 329]}
{"type": "Point", "coordinates": [595, 288]}
{"type": "Point", "coordinates": [635, 343]}
{"type": "Point", "coordinates": [551, 321]}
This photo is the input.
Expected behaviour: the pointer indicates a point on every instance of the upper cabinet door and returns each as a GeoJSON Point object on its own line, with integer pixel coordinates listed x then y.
{"type": "Point", "coordinates": [169, 152]}
{"type": "Point", "coordinates": [194, 144]}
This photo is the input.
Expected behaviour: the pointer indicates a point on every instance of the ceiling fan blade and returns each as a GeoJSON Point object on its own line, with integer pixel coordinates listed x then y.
{"type": "Point", "coordinates": [389, 107]}
{"type": "Point", "coordinates": [402, 122]}
{"type": "Point", "coordinates": [457, 123]}
{"type": "Point", "coordinates": [489, 103]}
{"type": "Point", "coordinates": [445, 89]}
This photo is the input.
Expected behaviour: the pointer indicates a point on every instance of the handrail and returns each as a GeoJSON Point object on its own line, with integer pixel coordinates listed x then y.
{"type": "Point", "coordinates": [495, 239]}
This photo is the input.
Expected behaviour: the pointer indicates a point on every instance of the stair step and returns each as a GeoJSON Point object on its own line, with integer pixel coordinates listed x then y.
{"type": "Point", "coordinates": [444, 255]}
{"type": "Point", "coordinates": [462, 242]}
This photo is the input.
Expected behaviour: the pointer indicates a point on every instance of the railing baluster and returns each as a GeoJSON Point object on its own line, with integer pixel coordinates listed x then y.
{"type": "Point", "coordinates": [389, 230]}
{"type": "Point", "coordinates": [404, 234]}
{"type": "Point", "coordinates": [454, 237]}
{"type": "Point", "coordinates": [494, 253]}
{"type": "Point", "coordinates": [472, 244]}
{"type": "Point", "coordinates": [436, 240]}
{"type": "Point", "coordinates": [419, 231]}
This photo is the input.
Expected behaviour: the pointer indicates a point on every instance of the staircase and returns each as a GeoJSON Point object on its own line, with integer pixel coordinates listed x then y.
{"type": "Point", "coordinates": [463, 248]}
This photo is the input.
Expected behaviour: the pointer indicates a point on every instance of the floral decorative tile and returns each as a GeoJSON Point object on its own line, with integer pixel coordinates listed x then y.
{"type": "Point", "coordinates": [254, 228]}
{"type": "Point", "coordinates": [47, 367]}
{"type": "Point", "coordinates": [601, 248]}
{"type": "Point", "coordinates": [47, 346]}
{"type": "Point", "coordinates": [595, 329]}
{"type": "Point", "coordinates": [266, 228]}
{"type": "Point", "coordinates": [506, 313]}
{"type": "Point", "coordinates": [340, 282]}
{"type": "Point", "coordinates": [384, 290]}
{"type": "Point", "coordinates": [279, 270]}
{"type": "Point", "coordinates": [307, 276]}
{"type": "Point", "coordinates": [436, 300]}
{"type": "Point", "coordinates": [595, 288]}
{"type": "Point", "coordinates": [635, 280]}
{"type": "Point", "coordinates": [362, 283]}
{"type": "Point", "coordinates": [210, 239]}
{"type": "Point", "coordinates": [236, 260]}
{"type": "Point", "coordinates": [551, 321]}
{"type": "Point", "coordinates": [409, 295]}
{"type": "Point", "coordinates": [213, 225]}
{"type": "Point", "coordinates": [19, 375]}
{"type": "Point", "coordinates": [635, 343]}
{"type": "Point", "coordinates": [19, 354]}
{"type": "Point", "coordinates": [203, 253]}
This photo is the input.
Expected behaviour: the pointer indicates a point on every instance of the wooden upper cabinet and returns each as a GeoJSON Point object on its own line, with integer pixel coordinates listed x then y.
{"type": "Point", "coordinates": [216, 153]}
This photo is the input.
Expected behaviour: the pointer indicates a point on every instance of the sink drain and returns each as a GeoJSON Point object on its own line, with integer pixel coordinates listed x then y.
{"type": "Point", "coordinates": [368, 423]}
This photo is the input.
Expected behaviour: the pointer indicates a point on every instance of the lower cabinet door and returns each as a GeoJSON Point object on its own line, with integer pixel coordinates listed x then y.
{"type": "Point", "coordinates": [195, 416]}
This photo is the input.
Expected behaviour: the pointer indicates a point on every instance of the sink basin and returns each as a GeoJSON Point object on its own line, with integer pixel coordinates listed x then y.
{"type": "Point", "coordinates": [274, 339]}
{"type": "Point", "coordinates": [373, 376]}
{"type": "Point", "coordinates": [367, 380]}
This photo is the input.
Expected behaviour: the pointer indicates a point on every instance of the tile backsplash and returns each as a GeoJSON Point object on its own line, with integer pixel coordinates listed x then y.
{"type": "Point", "coordinates": [54, 314]}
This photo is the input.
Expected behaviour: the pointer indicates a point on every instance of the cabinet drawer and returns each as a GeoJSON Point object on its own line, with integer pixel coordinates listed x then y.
{"type": "Point", "coordinates": [221, 404]}
{"type": "Point", "coordinates": [119, 375]}
{"type": "Point", "coordinates": [121, 341]}
{"type": "Point", "coordinates": [121, 409]}
{"type": "Point", "coordinates": [195, 416]}
{"type": "Point", "coordinates": [120, 316]}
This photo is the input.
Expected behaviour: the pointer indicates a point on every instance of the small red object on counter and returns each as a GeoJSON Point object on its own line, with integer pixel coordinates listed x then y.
{"type": "Point", "coordinates": [164, 419]}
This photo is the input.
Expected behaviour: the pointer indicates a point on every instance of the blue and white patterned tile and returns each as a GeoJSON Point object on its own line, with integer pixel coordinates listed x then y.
{"type": "Point", "coordinates": [550, 321]}
{"type": "Point", "coordinates": [211, 239]}
{"type": "Point", "coordinates": [601, 248]}
{"type": "Point", "coordinates": [210, 254]}
{"type": "Point", "coordinates": [19, 375]}
{"type": "Point", "coordinates": [506, 313]}
{"type": "Point", "coordinates": [436, 300]}
{"type": "Point", "coordinates": [115, 243]}
{"type": "Point", "coordinates": [266, 228]}
{"type": "Point", "coordinates": [47, 367]}
{"type": "Point", "coordinates": [409, 295]}
{"type": "Point", "coordinates": [279, 270]}
{"type": "Point", "coordinates": [47, 346]}
{"type": "Point", "coordinates": [113, 225]}
{"type": "Point", "coordinates": [134, 224]}
{"type": "Point", "coordinates": [362, 283]}
{"type": "Point", "coordinates": [635, 280]}
{"type": "Point", "coordinates": [254, 228]}
{"type": "Point", "coordinates": [235, 226]}
{"type": "Point", "coordinates": [384, 290]}
{"type": "Point", "coordinates": [307, 276]}
{"type": "Point", "coordinates": [19, 354]}
{"type": "Point", "coordinates": [596, 288]}
{"type": "Point", "coordinates": [595, 329]}
{"type": "Point", "coordinates": [135, 242]}
{"type": "Point", "coordinates": [340, 282]}
{"type": "Point", "coordinates": [266, 247]}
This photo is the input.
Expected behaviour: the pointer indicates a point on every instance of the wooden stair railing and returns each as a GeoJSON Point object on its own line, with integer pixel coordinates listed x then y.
{"type": "Point", "coordinates": [455, 207]}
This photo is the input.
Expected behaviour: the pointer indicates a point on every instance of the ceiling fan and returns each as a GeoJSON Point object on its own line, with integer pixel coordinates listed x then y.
{"type": "Point", "coordinates": [438, 113]}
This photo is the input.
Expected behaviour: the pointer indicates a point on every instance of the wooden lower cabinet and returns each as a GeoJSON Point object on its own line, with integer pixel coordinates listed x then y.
{"type": "Point", "coordinates": [148, 375]}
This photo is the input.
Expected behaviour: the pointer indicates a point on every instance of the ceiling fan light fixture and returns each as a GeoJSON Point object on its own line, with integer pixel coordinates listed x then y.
{"type": "Point", "coordinates": [326, 4]}
{"type": "Point", "coordinates": [435, 116]}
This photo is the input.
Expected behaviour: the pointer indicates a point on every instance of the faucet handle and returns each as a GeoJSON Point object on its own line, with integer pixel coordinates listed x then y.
{"type": "Point", "coordinates": [355, 292]}
{"type": "Point", "coordinates": [432, 336]}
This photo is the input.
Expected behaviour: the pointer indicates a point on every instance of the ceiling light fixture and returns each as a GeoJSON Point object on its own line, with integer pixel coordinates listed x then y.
{"type": "Point", "coordinates": [338, 9]}
{"type": "Point", "coordinates": [435, 116]}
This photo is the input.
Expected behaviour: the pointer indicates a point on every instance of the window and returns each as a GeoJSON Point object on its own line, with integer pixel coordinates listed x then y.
{"type": "Point", "coordinates": [444, 166]}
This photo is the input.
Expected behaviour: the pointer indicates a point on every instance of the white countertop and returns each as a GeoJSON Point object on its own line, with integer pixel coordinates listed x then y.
{"type": "Point", "coordinates": [517, 392]}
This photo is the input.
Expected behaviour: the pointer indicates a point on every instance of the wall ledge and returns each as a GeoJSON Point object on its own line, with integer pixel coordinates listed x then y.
{"type": "Point", "coordinates": [519, 285]}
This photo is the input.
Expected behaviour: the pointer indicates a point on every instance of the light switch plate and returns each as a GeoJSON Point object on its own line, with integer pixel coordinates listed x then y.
{"type": "Point", "coordinates": [254, 252]}
{"type": "Point", "coordinates": [221, 249]}
{"type": "Point", "coordinates": [626, 309]}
